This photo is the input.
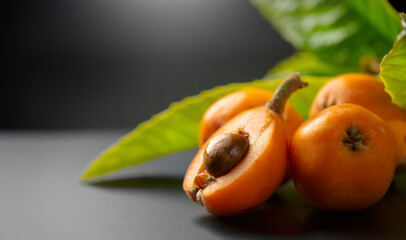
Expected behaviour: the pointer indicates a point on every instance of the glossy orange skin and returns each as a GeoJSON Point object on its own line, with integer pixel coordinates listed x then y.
{"type": "Point", "coordinates": [259, 173]}
{"type": "Point", "coordinates": [368, 91]}
{"type": "Point", "coordinates": [234, 103]}
{"type": "Point", "coordinates": [330, 176]}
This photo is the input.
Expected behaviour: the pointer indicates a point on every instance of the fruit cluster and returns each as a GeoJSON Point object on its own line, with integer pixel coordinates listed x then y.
{"type": "Point", "coordinates": [342, 158]}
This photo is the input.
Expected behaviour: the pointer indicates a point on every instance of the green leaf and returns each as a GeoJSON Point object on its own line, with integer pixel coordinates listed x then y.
{"type": "Point", "coordinates": [176, 128]}
{"type": "Point", "coordinates": [393, 69]}
{"type": "Point", "coordinates": [336, 32]}
{"type": "Point", "coordinates": [308, 64]}
{"type": "Point", "coordinates": [381, 15]}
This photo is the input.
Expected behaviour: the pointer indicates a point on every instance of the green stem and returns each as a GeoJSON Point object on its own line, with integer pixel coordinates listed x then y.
{"type": "Point", "coordinates": [283, 92]}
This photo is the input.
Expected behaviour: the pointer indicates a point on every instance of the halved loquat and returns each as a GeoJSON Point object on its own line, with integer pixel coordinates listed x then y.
{"type": "Point", "coordinates": [240, 181]}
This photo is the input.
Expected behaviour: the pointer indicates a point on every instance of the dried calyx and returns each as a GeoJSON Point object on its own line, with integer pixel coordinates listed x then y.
{"type": "Point", "coordinates": [354, 139]}
{"type": "Point", "coordinates": [330, 101]}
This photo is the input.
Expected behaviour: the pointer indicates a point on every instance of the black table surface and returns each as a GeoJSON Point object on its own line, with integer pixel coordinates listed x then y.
{"type": "Point", "coordinates": [42, 198]}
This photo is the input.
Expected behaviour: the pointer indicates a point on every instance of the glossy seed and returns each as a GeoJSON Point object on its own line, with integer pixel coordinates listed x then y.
{"type": "Point", "coordinates": [224, 152]}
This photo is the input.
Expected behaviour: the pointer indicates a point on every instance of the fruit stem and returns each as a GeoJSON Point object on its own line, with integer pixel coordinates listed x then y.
{"type": "Point", "coordinates": [289, 85]}
{"type": "Point", "coordinates": [370, 65]}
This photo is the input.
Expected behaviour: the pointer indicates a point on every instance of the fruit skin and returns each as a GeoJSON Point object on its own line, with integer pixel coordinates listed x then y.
{"type": "Point", "coordinates": [330, 176]}
{"type": "Point", "coordinates": [258, 174]}
{"type": "Point", "coordinates": [368, 91]}
{"type": "Point", "coordinates": [234, 103]}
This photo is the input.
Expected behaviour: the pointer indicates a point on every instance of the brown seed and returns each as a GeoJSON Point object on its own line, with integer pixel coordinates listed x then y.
{"type": "Point", "coordinates": [224, 152]}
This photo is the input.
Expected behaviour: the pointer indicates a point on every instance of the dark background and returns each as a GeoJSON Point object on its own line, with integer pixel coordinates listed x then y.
{"type": "Point", "coordinates": [112, 64]}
